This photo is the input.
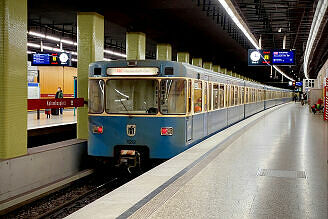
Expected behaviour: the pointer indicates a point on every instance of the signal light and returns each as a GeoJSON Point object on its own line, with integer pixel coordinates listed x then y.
{"type": "Point", "coordinates": [98, 129]}
{"type": "Point", "coordinates": [167, 131]}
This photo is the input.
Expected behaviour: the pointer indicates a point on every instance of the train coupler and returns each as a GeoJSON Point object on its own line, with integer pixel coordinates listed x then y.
{"type": "Point", "coordinates": [129, 159]}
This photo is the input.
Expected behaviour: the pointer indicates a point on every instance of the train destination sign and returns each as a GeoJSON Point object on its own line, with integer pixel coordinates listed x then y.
{"type": "Point", "coordinates": [132, 71]}
{"type": "Point", "coordinates": [51, 59]}
{"type": "Point", "coordinates": [271, 57]}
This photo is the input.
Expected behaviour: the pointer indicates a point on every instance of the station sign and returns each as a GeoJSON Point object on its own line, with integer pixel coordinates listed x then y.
{"type": "Point", "coordinates": [33, 104]}
{"type": "Point", "coordinates": [52, 59]}
{"type": "Point", "coordinates": [271, 57]}
{"type": "Point", "coordinates": [299, 83]}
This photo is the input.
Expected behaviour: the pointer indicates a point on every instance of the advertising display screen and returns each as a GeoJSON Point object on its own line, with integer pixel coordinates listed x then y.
{"type": "Point", "coordinates": [51, 59]}
{"type": "Point", "coordinates": [283, 57]}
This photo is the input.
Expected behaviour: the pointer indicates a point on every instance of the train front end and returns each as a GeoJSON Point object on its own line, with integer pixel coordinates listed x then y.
{"type": "Point", "coordinates": [134, 113]}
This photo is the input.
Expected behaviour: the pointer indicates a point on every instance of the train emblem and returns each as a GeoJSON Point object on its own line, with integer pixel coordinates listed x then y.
{"type": "Point", "coordinates": [131, 130]}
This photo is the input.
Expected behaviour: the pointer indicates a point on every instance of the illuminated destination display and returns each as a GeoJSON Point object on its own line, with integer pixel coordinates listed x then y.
{"type": "Point", "coordinates": [283, 57]}
{"type": "Point", "coordinates": [132, 71]}
{"type": "Point", "coordinates": [51, 59]}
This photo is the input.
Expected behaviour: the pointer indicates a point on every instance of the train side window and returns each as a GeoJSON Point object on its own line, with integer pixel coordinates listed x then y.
{"type": "Point", "coordinates": [205, 97]}
{"type": "Point", "coordinates": [236, 96]}
{"type": "Point", "coordinates": [215, 96]}
{"type": "Point", "coordinates": [242, 95]}
{"type": "Point", "coordinates": [189, 96]}
{"type": "Point", "coordinates": [232, 95]}
{"type": "Point", "coordinates": [222, 90]}
{"type": "Point", "coordinates": [210, 96]}
{"type": "Point", "coordinates": [198, 96]}
{"type": "Point", "coordinates": [227, 96]}
{"type": "Point", "coordinates": [173, 96]}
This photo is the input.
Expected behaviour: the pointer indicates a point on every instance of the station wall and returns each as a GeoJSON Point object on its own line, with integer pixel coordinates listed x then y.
{"type": "Point", "coordinates": [52, 77]}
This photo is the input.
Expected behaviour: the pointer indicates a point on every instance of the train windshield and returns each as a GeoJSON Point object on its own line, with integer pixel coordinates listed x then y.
{"type": "Point", "coordinates": [173, 96]}
{"type": "Point", "coordinates": [132, 96]}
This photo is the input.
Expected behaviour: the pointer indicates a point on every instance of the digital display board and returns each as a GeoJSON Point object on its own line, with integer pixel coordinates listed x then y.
{"type": "Point", "coordinates": [283, 57]}
{"type": "Point", "coordinates": [271, 57]}
{"type": "Point", "coordinates": [299, 83]}
{"type": "Point", "coordinates": [259, 57]}
{"type": "Point", "coordinates": [51, 59]}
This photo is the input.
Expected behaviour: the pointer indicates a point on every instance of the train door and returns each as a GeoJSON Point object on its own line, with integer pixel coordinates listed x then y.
{"type": "Point", "coordinates": [205, 118]}
{"type": "Point", "coordinates": [189, 112]}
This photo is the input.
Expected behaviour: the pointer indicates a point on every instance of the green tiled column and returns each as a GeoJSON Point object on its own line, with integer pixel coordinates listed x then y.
{"type": "Point", "coordinates": [164, 52]}
{"type": "Point", "coordinates": [13, 78]}
{"type": "Point", "coordinates": [224, 71]}
{"type": "Point", "coordinates": [183, 57]}
{"type": "Point", "coordinates": [197, 62]}
{"type": "Point", "coordinates": [90, 37]}
{"type": "Point", "coordinates": [135, 46]}
{"type": "Point", "coordinates": [208, 65]}
{"type": "Point", "coordinates": [216, 68]}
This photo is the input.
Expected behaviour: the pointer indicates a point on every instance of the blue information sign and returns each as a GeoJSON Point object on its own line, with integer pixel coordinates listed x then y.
{"type": "Point", "coordinates": [283, 57]}
{"type": "Point", "coordinates": [51, 59]}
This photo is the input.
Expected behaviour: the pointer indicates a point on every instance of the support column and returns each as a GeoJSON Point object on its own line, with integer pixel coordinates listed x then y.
{"type": "Point", "coordinates": [224, 71]}
{"type": "Point", "coordinates": [135, 46]}
{"type": "Point", "coordinates": [208, 65]}
{"type": "Point", "coordinates": [164, 52]}
{"type": "Point", "coordinates": [13, 78]}
{"type": "Point", "coordinates": [197, 62]}
{"type": "Point", "coordinates": [216, 68]}
{"type": "Point", "coordinates": [183, 57]}
{"type": "Point", "coordinates": [90, 37]}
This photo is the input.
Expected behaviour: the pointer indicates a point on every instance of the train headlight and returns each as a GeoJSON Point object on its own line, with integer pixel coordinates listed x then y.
{"type": "Point", "coordinates": [98, 129]}
{"type": "Point", "coordinates": [167, 131]}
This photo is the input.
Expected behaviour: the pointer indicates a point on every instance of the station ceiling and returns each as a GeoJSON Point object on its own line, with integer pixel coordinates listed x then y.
{"type": "Point", "coordinates": [200, 27]}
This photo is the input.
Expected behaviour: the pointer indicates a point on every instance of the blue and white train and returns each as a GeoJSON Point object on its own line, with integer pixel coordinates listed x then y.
{"type": "Point", "coordinates": [157, 109]}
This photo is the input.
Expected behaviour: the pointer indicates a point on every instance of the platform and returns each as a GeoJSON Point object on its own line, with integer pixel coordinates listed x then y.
{"type": "Point", "coordinates": [271, 165]}
{"type": "Point", "coordinates": [58, 120]}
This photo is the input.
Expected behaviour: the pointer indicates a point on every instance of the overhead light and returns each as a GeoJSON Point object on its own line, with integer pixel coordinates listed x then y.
{"type": "Point", "coordinates": [279, 30]}
{"type": "Point", "coordinates": [105, 59]}
{"type": "Point", "coordinates": [67, 42]}
{"type": "Point", "coordinates": [30, 52]}
{"type": "Point", "coordinates": [74, 60]}
{"type": "Point", "coordinates": [33, 45]}
{"type": "Point", "coordinates": [36, 34]}
{"type": "Point", "coordinates": [115, 53]}
{"type": "Point", "coordinates": [316, 22]}
{"type": "Point", "coordinates": [53, 38]}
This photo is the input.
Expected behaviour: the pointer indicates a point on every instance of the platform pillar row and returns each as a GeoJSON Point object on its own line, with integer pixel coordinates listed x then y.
{"type": "Point", "coordinates": [216, 68]}
{"type": "Point", "coordinates": [224, 71]}
{"type": "Point", "coordinates": [183, 57]}
{"type": "Point", "coordinates": [13, 78]}
{"type": "Point", "coordinates": [164, 52]}
{"type": "Point", "coordinates": [135, 46]}
{"type": "Point", "coordinates": [208, 65]}
{"type": "Point", "coordinates": [197, 62]}
{"type": "Point", "coordinates": [90, 37]}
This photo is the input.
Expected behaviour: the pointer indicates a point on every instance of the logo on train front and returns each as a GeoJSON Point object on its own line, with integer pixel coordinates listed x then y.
{"type": "Point", "coordinates": [131, 130]}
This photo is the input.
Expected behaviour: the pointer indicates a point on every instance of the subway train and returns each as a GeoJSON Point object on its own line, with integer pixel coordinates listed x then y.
{"type": "Point", "coordinates": [150, 109]}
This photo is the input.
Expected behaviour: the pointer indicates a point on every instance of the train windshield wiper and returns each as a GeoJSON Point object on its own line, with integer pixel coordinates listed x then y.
{"type": "Point", "coordinates": [121, 100]}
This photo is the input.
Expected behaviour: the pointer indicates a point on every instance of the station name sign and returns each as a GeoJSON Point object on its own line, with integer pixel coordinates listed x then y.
{"type": "Point", "coordinates": [132, 71]}
{"type": "Point", "coordinates": [33, 104]}
{"type": "Point", "coordinates": [52, 59]}
{"type": "Point", "coordinates": [271, 57]}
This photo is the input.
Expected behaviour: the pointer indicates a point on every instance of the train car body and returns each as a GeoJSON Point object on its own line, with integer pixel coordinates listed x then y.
{"type": "Point", "coordinates": [161, 108]}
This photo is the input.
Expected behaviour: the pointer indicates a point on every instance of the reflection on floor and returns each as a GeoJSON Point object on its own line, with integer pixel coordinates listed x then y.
{"type": "Point", "coordinates": [55, 120]}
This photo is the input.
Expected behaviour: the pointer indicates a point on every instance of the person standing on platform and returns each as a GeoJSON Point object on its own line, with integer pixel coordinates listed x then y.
{"type": "Point", "coordinates": [59, 94]}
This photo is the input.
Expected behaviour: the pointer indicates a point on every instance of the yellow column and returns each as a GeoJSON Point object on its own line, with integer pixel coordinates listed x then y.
{"type": "Point", "coordinates": [197, 62]}
{"type": "Point", "coordinates": [13, 78]}
{"type": "Point", "coordinates": [183, 57]}
{"type": "Point", "coordinates": [164, 52]}
{"type": "Point", "coordinates": [224, 71]}
{"type": "Point", "coordinates": [90, 37]}
{"type": "Point", "coordinates": [135, 46]}
{"type": "Point", "coordinates": [216, 68]}
{"type": "Point", "coordinates": [208, 65]}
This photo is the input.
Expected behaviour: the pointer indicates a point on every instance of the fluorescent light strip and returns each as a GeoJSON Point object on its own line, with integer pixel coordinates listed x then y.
{"type": "Point", "coordinates": [69, 42]}
{"type": "Point", "coordinates": [245, 31]}
{"type": "Point", "coordinates": [115, 53]}
{"type": "Point", "coordinates": [33, 45]}
{"type": "Point", "coordinates": [316, 22]}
